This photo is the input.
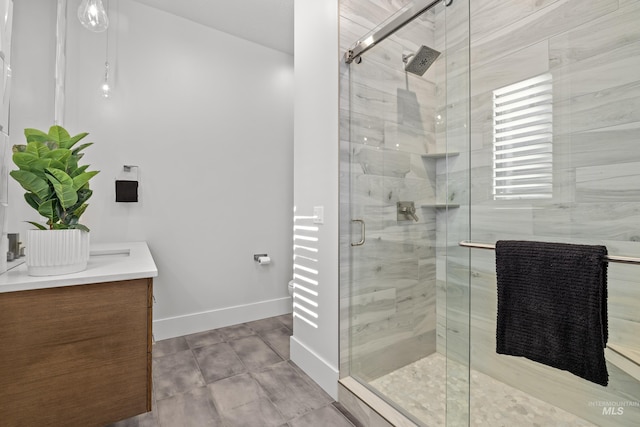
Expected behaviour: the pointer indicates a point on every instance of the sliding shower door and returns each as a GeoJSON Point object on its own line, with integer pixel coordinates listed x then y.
{"type": "Point", "coordinates": [407, 324]}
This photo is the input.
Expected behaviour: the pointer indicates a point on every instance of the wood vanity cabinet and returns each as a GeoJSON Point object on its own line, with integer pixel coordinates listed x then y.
{"type": "Point", "coordinates": [75, 355]}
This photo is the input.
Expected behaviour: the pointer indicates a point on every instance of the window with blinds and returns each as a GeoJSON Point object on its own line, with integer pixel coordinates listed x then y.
{"type": "Point", "coordinates": [522, 140]}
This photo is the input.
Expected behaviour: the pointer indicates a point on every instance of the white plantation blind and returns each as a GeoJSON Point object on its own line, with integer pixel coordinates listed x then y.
{"type": "Point", "coordinates": [522, 140]}
{"type": "Point", "coordinates": [305, 270]}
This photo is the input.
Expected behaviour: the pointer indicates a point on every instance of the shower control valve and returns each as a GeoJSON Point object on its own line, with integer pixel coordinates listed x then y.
{"type": "Point", "coordinates": [406, 210]}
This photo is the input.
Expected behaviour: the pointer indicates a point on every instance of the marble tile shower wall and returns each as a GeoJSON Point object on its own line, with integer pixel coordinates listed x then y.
{"type": "Point", "coordinates": [387, 123]}
{"type": "Point", "coordinates": [592, 50]}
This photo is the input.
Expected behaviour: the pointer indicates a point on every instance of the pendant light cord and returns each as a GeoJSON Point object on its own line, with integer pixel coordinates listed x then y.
{"type": "Point", "coordinates": [106, 54]}
{"type": "Point", "coordinates": [106, 87]}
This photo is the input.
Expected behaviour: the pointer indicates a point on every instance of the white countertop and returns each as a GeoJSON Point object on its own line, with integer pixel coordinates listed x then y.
{"type": "Point", "coordinates": [109, 262]}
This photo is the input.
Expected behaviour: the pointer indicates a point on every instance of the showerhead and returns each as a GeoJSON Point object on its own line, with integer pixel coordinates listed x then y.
{"type": "Point", "coordinates": [418, 63]}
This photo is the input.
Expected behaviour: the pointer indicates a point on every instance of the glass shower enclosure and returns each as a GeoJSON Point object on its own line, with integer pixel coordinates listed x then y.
{"type": "Point", "coordinates": [404, 211]}
{"type": "Point", "coordinates": [484, 121]}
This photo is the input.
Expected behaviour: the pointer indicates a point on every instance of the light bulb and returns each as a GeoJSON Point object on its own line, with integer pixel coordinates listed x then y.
{"type": "Point", "coordinates": [106, 90]}
{"type": "Point", "coordinates": [92, 15]}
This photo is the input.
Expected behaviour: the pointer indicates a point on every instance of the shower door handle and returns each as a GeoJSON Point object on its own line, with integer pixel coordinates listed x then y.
{"type": "Point", "coordinates": [362, 232]}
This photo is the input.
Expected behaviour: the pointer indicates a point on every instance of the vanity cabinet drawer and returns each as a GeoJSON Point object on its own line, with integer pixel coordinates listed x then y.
{"type": "Point", "coordinates": [76, 355]}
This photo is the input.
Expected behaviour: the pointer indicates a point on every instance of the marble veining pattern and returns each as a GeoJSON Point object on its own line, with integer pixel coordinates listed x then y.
{"type": "Point", "coordinates": [596, 199]}
{"type": "Point", "coordinates": [390, 123]}
{"type": "Point", "coordinates": [591, 48]}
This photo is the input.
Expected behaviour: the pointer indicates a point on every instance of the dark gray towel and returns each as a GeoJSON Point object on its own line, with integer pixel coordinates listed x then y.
{"type": "Point", "coordinates": [552, 305]}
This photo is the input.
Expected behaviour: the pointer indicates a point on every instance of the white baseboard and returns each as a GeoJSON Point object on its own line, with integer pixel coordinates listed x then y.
{"type": "Point", "coordinates": [316, 367]}
{"type": "Point", "coordinates": [198, 322]}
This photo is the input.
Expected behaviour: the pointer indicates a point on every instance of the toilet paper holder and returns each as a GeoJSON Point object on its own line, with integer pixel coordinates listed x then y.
{"type": "Point", "coordinates": [256, 257]}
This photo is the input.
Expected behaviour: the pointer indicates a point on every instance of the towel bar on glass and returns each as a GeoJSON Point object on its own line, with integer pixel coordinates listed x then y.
{"type": "Point", "coordinates": [610, 258]}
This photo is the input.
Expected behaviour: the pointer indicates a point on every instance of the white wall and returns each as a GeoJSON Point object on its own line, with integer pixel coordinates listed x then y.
{"type": "Point", "coordinates": [316, 177]}
{"type": "Point", "coordinates": [33, 64]}
{"type": "Point", "coordinates": [33, 57]}
{"type": "Point", "coordinates": [208, 118]}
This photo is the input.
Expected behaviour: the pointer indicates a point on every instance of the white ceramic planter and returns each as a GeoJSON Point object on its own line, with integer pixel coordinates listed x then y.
{"type": "Point", "coordinates": [53, 252]}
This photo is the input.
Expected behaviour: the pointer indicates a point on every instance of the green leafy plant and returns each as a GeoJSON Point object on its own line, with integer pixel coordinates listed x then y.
{"type": "Point", "coordinates": [57, 187]}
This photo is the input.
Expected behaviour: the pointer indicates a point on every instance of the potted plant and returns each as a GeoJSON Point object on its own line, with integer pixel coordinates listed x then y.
{"type": "Point", "coordinates": [58, 188]}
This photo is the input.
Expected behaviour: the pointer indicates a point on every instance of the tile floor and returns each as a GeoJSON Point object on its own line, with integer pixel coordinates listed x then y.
{"type": "Point", "coordinates": [240, 375]}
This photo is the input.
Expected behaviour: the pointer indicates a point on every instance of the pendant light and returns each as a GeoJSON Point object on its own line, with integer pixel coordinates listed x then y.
{"type": "Point", "coordinates": [105, 89]}
{"type": "Point", "coordinates": [92, 15]}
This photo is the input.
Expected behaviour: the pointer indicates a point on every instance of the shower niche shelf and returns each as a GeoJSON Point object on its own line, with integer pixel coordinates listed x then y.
{"type": "Point", "coordinates": [436, 156]}
{"type": "Point", "coordinates": [440, 156]}
{"type": "Point", "coordinates": [440, 205]}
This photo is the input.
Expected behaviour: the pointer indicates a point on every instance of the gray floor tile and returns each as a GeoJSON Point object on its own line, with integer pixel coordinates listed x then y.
{"type": "Point", "coordinates": [264, 324]}
{"type": "Point", "coordinates": [292, 394]}
{"type": "Point", "coordinates": [153, 393]}
{"type": "Point", "coordinates": [203, 339]}
{"type": "Point", "coordinates": [278, 339]}
{"type": "Point", "coordinates": [236, 331]}
{"type": "Point", "coordinates": [218, 361]}
{"type": "Point", "coordinates": [345, 413]}
{"type": "Point", "coordinates": [235, 391]}
{"type": "Point", "coordinates": [275, 392]}
{"type": "Point", "coordinates": [299, 371]}
{"type": "Point", "coordinates": [169, 346]}
{"type": "Point", "coordinates": [325, 416]}
{"type": "Point", "coordinates": [257, 413]}
{"type": "Point", "coordinates": [143, 420]}
{"type": "Point", "coordinates": [193, 409]}
{"type": "Point", "coordinates": [175, 374]}
{"type": "Point", "coordinates": [286, 320]}
{"type": "Point", "coordinates": [254, 353]}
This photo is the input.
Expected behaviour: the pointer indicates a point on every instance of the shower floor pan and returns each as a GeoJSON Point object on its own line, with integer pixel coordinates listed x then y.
{"type": "Point", "coordinates": [420, 389]}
